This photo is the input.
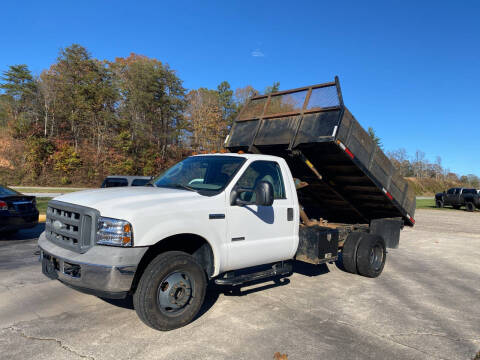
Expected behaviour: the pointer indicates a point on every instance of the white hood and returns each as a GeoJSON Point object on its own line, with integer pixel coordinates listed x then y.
{"type": "Point", "coordinates": [126, 200]}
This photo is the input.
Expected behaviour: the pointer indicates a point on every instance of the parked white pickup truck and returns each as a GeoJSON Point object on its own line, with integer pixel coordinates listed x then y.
{"type": "Point", "coordinates": [211, 215]}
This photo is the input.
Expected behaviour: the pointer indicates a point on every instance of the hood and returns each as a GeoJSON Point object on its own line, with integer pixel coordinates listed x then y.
{"type": "Point", "coordinates": [127, 199]}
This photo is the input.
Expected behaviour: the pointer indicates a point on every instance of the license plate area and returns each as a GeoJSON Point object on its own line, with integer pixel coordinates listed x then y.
{"type": "Point", "coordinates": [50, 266]}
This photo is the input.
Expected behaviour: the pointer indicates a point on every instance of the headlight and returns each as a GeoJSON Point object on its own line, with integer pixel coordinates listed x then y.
{"type": "Point", "coordinates": [114, 232]}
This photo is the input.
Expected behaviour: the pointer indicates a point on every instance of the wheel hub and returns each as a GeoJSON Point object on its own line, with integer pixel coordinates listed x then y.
{"type": "Point", "coordinates": [174, 292]}
{"type": "Point", "coordinates": [376, 257]}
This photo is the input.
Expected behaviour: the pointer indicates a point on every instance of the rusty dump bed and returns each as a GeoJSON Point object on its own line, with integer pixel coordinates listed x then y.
{"type": "Point", "coordinates": [350, 180]}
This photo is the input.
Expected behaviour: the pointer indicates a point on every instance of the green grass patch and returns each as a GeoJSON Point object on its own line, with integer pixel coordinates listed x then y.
{"type": "Point", "coordinates": [42, 204]}
{"type": "Point", "coordinates": [430, 204]}
{"type": "Point", "coordinates": [426, 204]}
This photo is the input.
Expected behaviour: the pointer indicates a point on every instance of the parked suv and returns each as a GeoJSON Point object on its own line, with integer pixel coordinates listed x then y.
{"type": "Point", "coordinates": [458, 197]}
{"type": "Point", "coordinates": [125, 180]}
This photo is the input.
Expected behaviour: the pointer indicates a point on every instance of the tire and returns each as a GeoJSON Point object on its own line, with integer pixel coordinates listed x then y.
{"type": "Point", "coordinates": [349, 252]}
{"type": "Point", "coordinates": [470, 206]}
{"type": "Point", "coordinates": [439, 204]}
{"type": "Point", "coordinates": [171, 291]}
{"type": "Point", "coordinates": [371, 255]}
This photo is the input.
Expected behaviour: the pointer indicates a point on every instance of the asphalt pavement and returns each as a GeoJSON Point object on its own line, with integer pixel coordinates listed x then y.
{"type": "Point", "coordinates": [425, 305]}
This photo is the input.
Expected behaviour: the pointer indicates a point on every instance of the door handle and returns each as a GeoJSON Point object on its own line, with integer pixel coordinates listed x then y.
{"type": "Point", "coordinates": [290, 214]}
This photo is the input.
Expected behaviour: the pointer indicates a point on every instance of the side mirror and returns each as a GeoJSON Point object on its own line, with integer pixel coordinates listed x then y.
{"type": "Point", "coordinates": [263, 195]}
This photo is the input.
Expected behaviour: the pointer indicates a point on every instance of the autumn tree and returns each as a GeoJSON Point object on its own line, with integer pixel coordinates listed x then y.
{"type": "Point", "coordinates": [206, 123]}
{"type": "Point", "coordinates": [152, 101]}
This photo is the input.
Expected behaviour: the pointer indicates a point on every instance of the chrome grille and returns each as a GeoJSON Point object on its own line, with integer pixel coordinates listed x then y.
{"type": "Point", "coordinates": [70, 225]}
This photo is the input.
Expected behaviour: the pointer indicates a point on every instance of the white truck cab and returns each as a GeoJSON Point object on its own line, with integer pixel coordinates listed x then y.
{"type": "Point", "coordinates": [95, 240]}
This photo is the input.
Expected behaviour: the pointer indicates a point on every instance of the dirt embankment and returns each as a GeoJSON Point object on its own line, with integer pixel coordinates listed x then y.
{"type": "Point", "coordinates": [431, 186]}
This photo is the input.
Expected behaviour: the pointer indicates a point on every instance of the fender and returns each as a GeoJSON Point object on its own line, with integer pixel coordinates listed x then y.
{"type": "Point", "coordinates": [196, 225]}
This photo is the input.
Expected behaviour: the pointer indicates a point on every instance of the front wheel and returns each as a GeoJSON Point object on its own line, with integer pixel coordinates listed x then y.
{"type": "Point", "coordinates": [171, 291]}
{"type": "Point", "coordinates": [439, 204]}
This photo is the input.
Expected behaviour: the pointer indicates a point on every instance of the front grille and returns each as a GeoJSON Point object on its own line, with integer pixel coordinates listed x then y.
{"type": "Point", "coordinates": [70, 225]}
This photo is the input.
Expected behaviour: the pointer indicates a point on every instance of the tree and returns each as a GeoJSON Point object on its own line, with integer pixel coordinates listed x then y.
{"type": "Point", "coordinates": [85, 96]}
{"type": "Point", "coordinates": [227, 103]}
{"type": "Point", "coordinates": [17, 100]}
{"type": "Point", "coordinates": [206, 123]}
{"type": "Point", "coordinates": [273, 88]}
{"type": "Point", "coordinates": [374, 137]}
{"type": "Point", "coordinates": [152, 102]}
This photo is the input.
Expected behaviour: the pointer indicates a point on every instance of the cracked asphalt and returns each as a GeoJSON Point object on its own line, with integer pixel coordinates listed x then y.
{"type": "Point", "coordinates": [425, 305]}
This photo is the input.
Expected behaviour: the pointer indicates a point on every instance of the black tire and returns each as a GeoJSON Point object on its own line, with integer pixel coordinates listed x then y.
{"type": "Point", "coordinates": [371, 255]}
{"type": "Point", "coordinates": [439, 204]}
{"type": "Point", "coordinates": [187, 287]}
{"type": "Point", "coordinates": [470, 206]}
{"type": "Point", "coordinates": [349, 252]}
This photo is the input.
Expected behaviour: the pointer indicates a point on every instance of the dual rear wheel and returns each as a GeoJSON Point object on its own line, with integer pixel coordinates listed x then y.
{"type": "Point", "coordinates": [364, 254]}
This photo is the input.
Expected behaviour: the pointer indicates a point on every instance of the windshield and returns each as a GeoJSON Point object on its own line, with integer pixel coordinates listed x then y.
{"type": "Point", "coordinates": [5, 191]}
{"type": "Point", "coordinates": [204, 174]}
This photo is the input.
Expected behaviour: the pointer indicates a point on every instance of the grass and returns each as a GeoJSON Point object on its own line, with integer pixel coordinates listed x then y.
{"type": "Point", "coordinates": [42, 204]}
{"type": "Point", "coordinates": [426, 204]}
{"type": "Point", "coordinates": [430, 204]}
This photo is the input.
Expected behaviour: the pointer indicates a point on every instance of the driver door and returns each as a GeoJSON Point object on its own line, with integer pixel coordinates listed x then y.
{"type": "Point", "coordinates": [259, 234]}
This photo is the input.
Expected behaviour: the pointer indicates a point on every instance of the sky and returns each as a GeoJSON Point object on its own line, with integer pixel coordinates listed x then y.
{"type": "Point", "coordinates": [409, 69]}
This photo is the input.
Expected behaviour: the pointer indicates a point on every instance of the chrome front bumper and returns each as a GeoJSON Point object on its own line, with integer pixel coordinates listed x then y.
{"type": "Point", "coordinates": [105, 271]}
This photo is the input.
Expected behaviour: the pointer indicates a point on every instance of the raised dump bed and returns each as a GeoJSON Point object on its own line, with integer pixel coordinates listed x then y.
{"type": "Point", "coordinates": [350, 180]}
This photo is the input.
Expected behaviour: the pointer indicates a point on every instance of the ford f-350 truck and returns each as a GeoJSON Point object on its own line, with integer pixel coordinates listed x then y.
{"type": "Point", "coordinates": [303, 181]}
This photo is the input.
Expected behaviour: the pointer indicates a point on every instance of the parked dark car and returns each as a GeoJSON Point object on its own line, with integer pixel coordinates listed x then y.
{"type": "Point", "coordinates": [17, 211]}
{"type": "Point", "coordinates": [458, 197]}
{"type": "Point", "coordinates": [125, 180]}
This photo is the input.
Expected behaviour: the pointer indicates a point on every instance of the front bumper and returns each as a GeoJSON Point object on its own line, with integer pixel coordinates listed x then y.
{"type": "Point", "coordinates": [105, 271]}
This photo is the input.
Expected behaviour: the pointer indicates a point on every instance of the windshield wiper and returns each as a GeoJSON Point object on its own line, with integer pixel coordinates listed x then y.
{"type": "Point", "coordinates": [181, 186]}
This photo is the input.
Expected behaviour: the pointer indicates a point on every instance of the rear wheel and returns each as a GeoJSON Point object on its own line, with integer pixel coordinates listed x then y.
{"type": "Point", "coordinates": [439, 204]}
{"type": "Point", "coordinates": [371, 255]}
{"type": "Point", "coordinates": [470, 206]}
{"type": "Point", "coordinates": [349, 252]}
{"type": "Point", "coordinates": [171, 291]}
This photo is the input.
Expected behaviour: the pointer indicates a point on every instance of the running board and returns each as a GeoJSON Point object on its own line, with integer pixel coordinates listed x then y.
{"type": "Point", "coordinates": [278, 269]}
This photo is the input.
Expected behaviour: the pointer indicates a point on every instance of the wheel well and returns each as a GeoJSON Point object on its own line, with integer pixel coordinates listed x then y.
{"type": "Point", "coordinates": [192, 244]}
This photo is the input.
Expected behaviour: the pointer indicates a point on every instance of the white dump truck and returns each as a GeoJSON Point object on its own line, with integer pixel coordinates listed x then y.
{"type": "Point", "coordinates": [302, 182]}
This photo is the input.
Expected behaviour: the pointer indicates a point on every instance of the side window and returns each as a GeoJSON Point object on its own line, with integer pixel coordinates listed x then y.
{"type": "Point", "coordinates": [115, 182]}
{"type": "Point", "coordinates": [140, 182]}
{"type": "Point", "coordinates": [262, 171]}
{"type": "Point", "coordinates": [450, 191]}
